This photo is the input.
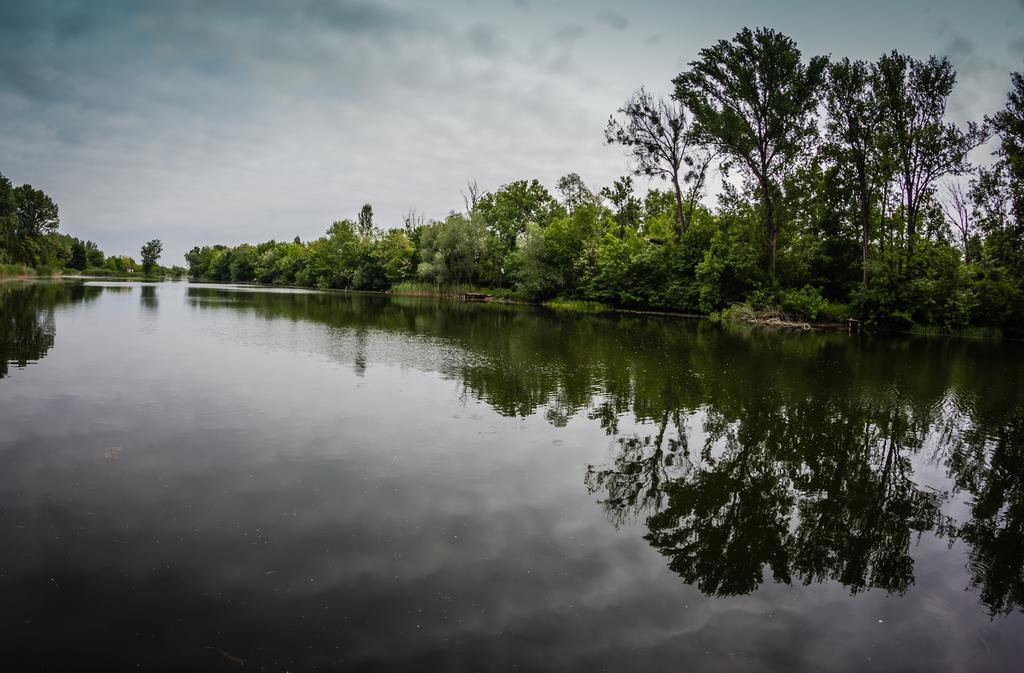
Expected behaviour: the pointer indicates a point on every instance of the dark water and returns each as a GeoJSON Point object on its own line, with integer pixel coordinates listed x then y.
{"type": "Point", "coordinates": [207, 478]}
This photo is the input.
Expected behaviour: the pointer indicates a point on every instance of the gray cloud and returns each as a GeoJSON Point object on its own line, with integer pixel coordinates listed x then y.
{"type": "Point", "coordinates": [959, 46]}
{"type": "Point", "coordinates": [366, 17]}
{"type": "Point", "coordinates": [570, 32]}
{"type": "Point", "coordinates": [201, 121]}
{"type": "Point", "coordinates": [613, 19]}
{"type": "Point", "coordinates": [486, 40]}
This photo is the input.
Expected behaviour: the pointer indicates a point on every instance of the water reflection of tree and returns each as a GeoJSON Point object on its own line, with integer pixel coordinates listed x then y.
{"type": "Point", "coordinates": [793, 454]}
{"type": "Point", "coordinates": [27, 329]}
{"type": "Point", "coordinates": [148, 297]}
{"type": "Point", "coordinates": [810, 488]}
{"type": "Point", "coordinates": [986, 461]}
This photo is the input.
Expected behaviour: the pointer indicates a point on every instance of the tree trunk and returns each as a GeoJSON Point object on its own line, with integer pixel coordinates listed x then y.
{"type": "Point", "coordinates": [680, 220]}
{"type": "Point", "coordinates": [769, 214]}
{"type": "Point", "coordinates": [911, 229]}
{"type": "Point", "coordinates": [865, 222]}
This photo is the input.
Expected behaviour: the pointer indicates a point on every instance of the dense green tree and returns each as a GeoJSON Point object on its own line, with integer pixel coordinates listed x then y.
{"type": "Point", "coordinates": [628, 210]}
{"type": "Point", "coordinates": [923, 146]}
{"type": "Point", "coordinates": [35, 217]}
{"type": "Point", "coordinates": [364, 221]}
{"type": "Point", "coordinates": [574, 191]}
{"type": "Point", "coordinates": [844, 226]}
{"type": "Point", "coordinates": [150, 254]}
{"type": "Point", "coordinates": [8, 220]}
{"type": "Point", "coordinates": [753, 99]}
{"type": "Point", "coordinates": [508, 211]}
{"type": "Point", "coordinates": [79, 259]}
{"type": "Point", "coordinates": [394, 253]}
{"type": "Point", "coordinates": [854, 117]}
{"type": "Point", "coordinates": [452, 250]}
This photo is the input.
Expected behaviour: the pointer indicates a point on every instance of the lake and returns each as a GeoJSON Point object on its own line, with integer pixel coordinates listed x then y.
{"type": "Point", "coordinates": [200, 477]}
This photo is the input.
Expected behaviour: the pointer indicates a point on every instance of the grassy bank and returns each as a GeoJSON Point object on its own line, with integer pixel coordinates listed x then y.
{"type": "Point", "coordinates": [454, 291]}
{"type": "Point", "coordinates": [10, 271]}
{"type": "Point", "coordinates": [16, 271]}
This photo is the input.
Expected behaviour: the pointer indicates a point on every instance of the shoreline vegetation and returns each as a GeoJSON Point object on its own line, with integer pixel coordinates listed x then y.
{"type": "Point", "coordinates": [23, 272]}
{"type": "Point", "coordinates": [847, 198]}
{"type": "Point", "coordinates": [737, 314]}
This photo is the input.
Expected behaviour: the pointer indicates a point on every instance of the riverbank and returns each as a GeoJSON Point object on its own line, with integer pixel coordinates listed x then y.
{"type": "Point", "coordinates": [10, 272]}
{"type": "Point", "coordinates": [737, 315]}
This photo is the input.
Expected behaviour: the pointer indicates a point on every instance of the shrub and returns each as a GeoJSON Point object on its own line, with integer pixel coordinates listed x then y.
{"type": "Point", "coordinates": [806, 302]}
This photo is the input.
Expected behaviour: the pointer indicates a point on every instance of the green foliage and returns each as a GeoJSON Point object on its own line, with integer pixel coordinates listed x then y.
{"type": "Point", "coordinates": [394, 253]}
{"type": "Point", "coordinates": [753, 99]}
{"type": "Point", "coordinates": [508, 211]}
{"type": "Point", "coordinates": [806, 303]}
{"type": "Point", "coordinates": [453, 251]}
{"type": "Point", "coordinates": [150, 254]}
{"type": "Point", "coordinates": [732, 267]}
{"type": "Point", "coordinates": [848, 224]}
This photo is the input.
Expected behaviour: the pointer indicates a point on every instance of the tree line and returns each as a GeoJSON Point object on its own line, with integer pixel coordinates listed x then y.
{"type": "Point", "coordinates": [846, 192]}
{"type": "Point", "coordinates": [31, 240]}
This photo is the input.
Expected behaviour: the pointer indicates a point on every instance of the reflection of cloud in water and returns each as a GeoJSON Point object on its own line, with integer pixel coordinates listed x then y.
{"type": "Point", "coordinates": [295, 514]}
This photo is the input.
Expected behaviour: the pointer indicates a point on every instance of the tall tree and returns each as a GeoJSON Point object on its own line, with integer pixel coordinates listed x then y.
{"type": "Point", "coordinates": [150, 253]}
{"type": "Point", "coordinates": [1009, 124]}
{"type": "Point", "coordinates": [853, 122]}
{"type": "Point", "coordinates": [8, 219]}
{"type": "Point", "coordinates": [753, 99]}
{"type": "Point", "coordinates": [364, 221]}
{"type": "Point", "coordinates": [924, 147]}
{"type": "Point", "coordinates": [658, 134]}
{"type": "Point", "coordinates": [36, 216]}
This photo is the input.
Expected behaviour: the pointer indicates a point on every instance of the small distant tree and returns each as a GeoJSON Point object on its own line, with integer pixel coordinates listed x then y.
{"type": "Point", "coordinates": [470, 197]}
{"type": "Point", "coordinates": [574, 191]}
{"type": "Point", "coordinates": [150, 253]}
{"type": "Point", "coordinates": [956, 207]}
{"type": "Point", "coordinates": [364, 221]}
{"type": "Point", "coordinates": [628, 209]}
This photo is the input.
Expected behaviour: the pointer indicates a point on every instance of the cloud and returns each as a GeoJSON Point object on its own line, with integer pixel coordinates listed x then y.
{"type": "Point", "coordinates": [959, 47]}
{"type": "Point", "coordinates": [198, 121]}
{"type": "Point", "coordinates": [570, 32]}
{"type": "Point", "coordinates": [367, 18]}
{"type": "Point", "coordinates": [485, 40]}
{"type": "Point", "coordinates": [1017, 44]}
{"type": "Point", "coordinates": [203, 122]}
{"type": "Point", "coordinates": [613, 19]}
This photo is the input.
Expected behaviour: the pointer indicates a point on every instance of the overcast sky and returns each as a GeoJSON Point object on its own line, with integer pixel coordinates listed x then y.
{"type": "Point", "coordinates": [206, 121]}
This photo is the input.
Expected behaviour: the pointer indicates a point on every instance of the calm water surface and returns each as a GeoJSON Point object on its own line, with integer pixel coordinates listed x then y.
{"type": "Point", "coordinates": [214, 478]}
